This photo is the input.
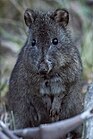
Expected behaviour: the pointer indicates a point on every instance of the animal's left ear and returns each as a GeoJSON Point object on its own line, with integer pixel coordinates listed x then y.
{"type": "Point", "coordinates": [61, 16]}
{"type": "Point", "coordinates": [29, 17]}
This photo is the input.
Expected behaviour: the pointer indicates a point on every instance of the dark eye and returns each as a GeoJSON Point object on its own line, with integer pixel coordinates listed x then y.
{"type": "Point", "coordinates": [55, 41]}
{"type": "Point", "coordinates": [33, 42]}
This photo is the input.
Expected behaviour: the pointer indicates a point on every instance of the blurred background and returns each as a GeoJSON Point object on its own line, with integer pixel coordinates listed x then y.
{"type": "Point", "coordinates": [13, 33]}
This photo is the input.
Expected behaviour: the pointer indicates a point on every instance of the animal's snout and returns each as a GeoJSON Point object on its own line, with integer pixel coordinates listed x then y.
{"type": "Point", "coordinates": [45, 67]}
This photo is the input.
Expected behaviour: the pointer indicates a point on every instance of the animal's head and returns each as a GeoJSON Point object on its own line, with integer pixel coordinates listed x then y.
{"type": "Point", "coordinates": [48, 44]}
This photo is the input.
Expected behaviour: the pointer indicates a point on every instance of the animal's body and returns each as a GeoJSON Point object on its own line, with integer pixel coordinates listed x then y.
{"type": "Point", "coordinates": [46, 81]}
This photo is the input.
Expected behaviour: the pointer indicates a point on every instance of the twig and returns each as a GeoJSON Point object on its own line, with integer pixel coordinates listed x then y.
{"type": "Point", "coordinates": [29, 133]}
{"type": "Point", "coordinates": [7, 132]}
{"type": "Point", "coordinates": [3, 136]}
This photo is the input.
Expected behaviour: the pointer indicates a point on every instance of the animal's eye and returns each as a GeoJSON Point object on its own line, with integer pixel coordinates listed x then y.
{"type": "Point", "coordinates": [55, 41]}
{"type": "Point", "coordinates": [33, 42]}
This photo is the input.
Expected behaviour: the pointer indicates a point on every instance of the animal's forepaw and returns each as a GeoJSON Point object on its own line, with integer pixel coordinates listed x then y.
{"type": "Point", "coordinates": [54, 114]}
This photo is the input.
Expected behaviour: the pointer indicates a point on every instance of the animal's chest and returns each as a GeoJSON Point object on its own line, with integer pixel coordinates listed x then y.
{"type": "Point", "coordinates": [52, 92]}
{"type": "Point", "coordinates": [52, 86]}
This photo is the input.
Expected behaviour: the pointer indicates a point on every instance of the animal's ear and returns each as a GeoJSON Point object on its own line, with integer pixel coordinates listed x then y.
{"type": "Point", "coordinates": [29, 17]}
{"type": "Point", "coordinates": [61, 16]}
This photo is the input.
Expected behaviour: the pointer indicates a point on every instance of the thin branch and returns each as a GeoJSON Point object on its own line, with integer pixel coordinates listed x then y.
{"type": "Point", "coordinates": [7, 132]}
{"type": "Point", "coordinates": [3, 136]}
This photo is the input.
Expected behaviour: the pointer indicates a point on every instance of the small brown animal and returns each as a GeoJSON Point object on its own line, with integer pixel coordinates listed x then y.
{"type": "Point", "coordinates": [46, 81]}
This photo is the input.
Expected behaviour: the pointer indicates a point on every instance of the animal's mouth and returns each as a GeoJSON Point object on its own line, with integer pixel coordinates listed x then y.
{"type": "Point", "coordinates": [49, 76]}
{"type": "Point", "coordinates": [45, 76]}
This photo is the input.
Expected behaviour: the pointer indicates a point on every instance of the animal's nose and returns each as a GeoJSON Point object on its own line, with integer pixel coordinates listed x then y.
{"type": "Point", "coordinates": [43, 68]}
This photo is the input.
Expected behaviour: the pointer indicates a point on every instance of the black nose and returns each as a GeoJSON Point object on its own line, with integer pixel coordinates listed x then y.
{"type": "Point", "coordinates": [43, 72]}
{"type": "Point", "coordinates": [43, 69]}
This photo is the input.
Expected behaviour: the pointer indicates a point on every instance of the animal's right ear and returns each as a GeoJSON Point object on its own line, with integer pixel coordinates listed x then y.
{"type": "Point", "coordinates": [61, 16]}
{"type": "Point", "coordinates": [29, 17]}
